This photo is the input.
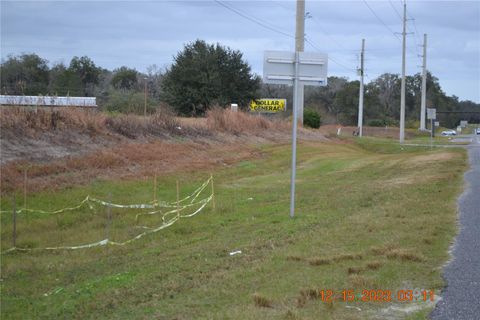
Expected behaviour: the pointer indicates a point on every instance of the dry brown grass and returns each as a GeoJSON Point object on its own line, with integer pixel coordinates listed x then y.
{"type": "Point", "coordinates": [305, 295]}
{"type": "Point", "coordinates": [310, 294]}
{"type": "Point", "coordinates": [122, 162]}
{"type": "Point", "coordinates": [291, 315]}
{"type": "Point", "coordinates": [319, 261]}
{"type": "Point", "coordinates": [261, 301]}
{"type": "Point", "coordinates": [295, 258]}
{"type": "Point", "coordinates": [64, 147]}
{"type": "Point", "coordinates": [405, 255]}
{"type": "Point", "coordinates": [359, 281]}
{"type": "Point", "coordinates": [374, 265]}
{"type": "Point", "coordinates": [392, 252]}
{"type": "Point", "coordinates": [380, 251]}
{"type": "Point", "coordinates": [236, 122]}
{"type": "Point", "coordinates": [301, 301]}
{"type": "Point", "coordinates": [347, 256]}
{"type": "Point", "coordinates": [241, 122]}
{"type": "Point", "coordinates": [354, 270]}
{"type": "Point", "coordinates": [28, 122]}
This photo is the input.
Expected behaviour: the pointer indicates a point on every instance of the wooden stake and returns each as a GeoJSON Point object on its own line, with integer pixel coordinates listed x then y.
{"type": "Point", "coordinates": [25, 189]}
{"type": "Point", "coordinates": [178, 198]}
{"type": "Point", "coordinates": [155, 188]}
{"type": "Point", "coordinates": [213, 194]}
{"type": "Point", "coordinates": [14, 222]}
{"type": "Point", "coordinates": [109, 217]}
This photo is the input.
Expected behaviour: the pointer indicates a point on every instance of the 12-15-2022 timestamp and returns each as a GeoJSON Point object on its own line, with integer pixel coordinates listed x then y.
{"type": "Point", "coordinates": [376, 295]}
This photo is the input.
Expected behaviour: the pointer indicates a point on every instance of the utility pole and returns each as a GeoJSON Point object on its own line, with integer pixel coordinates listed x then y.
{"type": "Point", "coordinates": [424, 85]}
{"type": "Point", "coordinates": [360, 98]}
{"type": "Point", "coordinates": [402, 94]}
{"type": "Point", "coordinates": [299, 46]}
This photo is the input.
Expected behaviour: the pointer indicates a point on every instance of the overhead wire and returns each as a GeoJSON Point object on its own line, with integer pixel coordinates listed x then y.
{"type": "Point", "coordinates": [379, 19]}
{"type": "Point", "coordinates": [395, 9]}
{"type": "Point", "coordinates": [250, 18]}
{"type": "Point", "coordinates": [415, 35]}
{"type": "Point", "coordinates": [329, 57]}
{"type": "Point", "coordinates": [256, 21]}
{"type": "Point", "coordinates": [389, 29]}
{"type": "Point", "coordinates": [327, 34]}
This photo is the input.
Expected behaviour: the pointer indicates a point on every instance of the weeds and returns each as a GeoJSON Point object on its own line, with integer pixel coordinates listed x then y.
{"type": "Point", "coordinates": [354, 270]}
{"type": "Point", "coordinates": [374, 265]}
{"type": "Point", "coordinates": [319, 261]}
{"type": "Point", "coordinates": [405, 255]}
{"type": "Point", "coordinates": [261, 301]}
{"type": "Point", "coordinates": [29, 122]}
{"type": "Point", "coordinates": [242, 123]}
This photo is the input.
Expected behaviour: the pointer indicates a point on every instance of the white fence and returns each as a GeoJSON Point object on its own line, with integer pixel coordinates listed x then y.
{"type": "Point", "coordinates": [49, 101]}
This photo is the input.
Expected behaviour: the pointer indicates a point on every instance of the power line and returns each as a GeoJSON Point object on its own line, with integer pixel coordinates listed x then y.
{"type": "Point", "coordinates": [254, 20]}
{"type": "Point", "coordinates": [396, 11]}
{"type": "Point", "coordinates": [379, 19]}
{"type": "Point", "coordinates": [329, 57]}
{"type": "Point", "coordinates": [416, 33]}
{"type": "Point", "coordinates": [327, 34]}
{"type": "Point", "coordinates": [278, 31]}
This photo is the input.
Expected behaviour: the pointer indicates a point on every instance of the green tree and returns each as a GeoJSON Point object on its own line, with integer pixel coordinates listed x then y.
{"type": "Point", "coordinates": [26, 74]}
{"type": "Point", "coordinates": [204, 75]}
{"type": "Point", "coordinates": [124, 78]}
{"type": "Point", "coordinates": [346, 101]}
{"type": "Point", "coordinates": [64, 82]}
{"type": "Point", "coordinates": [88, 72]}
{"type": "Point", "coordinates": [325, 96]}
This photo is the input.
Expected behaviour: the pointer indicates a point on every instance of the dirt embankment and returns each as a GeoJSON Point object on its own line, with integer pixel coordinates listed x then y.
{"type": "Point", "coordinates": [70, 147]}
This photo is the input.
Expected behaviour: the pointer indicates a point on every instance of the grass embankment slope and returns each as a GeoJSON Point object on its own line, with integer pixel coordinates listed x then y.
{"type": "Point", "coordinates": [368, 216]}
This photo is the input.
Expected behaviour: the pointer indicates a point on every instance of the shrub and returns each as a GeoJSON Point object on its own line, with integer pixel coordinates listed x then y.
{"type": "Point", "coordinates": [412, 124]}
{"type": "Point", "coordinates": [376, 123]}
{"type": "Point", "coordinates": [311, 118]}
{"type": "Point", "coordinates": [128, 101]}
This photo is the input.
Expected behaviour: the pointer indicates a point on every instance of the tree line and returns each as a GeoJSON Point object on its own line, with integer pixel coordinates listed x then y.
{"type": "Point", "coordinates": [205, 75]}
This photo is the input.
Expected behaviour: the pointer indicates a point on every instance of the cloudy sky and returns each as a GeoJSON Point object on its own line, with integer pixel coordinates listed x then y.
{"type": "Point", "coordinates": [141, 33]}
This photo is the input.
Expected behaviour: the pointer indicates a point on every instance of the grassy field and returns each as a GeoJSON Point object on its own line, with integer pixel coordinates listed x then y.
{"type": "Point", "coordinates": [369, 216]}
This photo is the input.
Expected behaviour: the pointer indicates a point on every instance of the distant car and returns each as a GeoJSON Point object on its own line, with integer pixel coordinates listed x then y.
{"type": "Point", "coordinates": [478, 131]}
{"type": "Point", "coordinates": [449, 133]}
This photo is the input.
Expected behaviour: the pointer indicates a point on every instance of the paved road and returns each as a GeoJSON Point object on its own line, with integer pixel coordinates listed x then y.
{"type": "Point", "coordinates": [461, 297]}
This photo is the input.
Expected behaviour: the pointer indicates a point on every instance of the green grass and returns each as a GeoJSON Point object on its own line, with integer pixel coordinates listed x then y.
{"type": "Point", "coordinates": [437, 140]}
{"type": "Point", "coordinates": [369, 215]}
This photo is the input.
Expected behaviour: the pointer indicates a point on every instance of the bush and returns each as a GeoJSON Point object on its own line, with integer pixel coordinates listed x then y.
{"type": "Point", "coordinates": [382, 122]}
{"type": "Point", "coordinates": [376, 123]}
{"type": "Point", "coordinates": [311, 118]}
{"type": "Point", "coordinates": [412, 124]}
{"type": "Point", "coordinates": [128, 101]}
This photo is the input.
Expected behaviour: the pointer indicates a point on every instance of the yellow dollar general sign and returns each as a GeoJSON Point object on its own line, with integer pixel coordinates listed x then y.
{"type": "Point", "coordinates": [268, 105]}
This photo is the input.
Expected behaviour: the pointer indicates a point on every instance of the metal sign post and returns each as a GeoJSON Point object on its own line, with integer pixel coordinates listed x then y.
{"type": "Point", "coordinates": [431, 133]}
{"type": "Point", "coordinates": [294, 138]}
{"type": "Point", "coordinates": [297, 69]}
{"type": "Point", "coordinates": [432, 115]}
